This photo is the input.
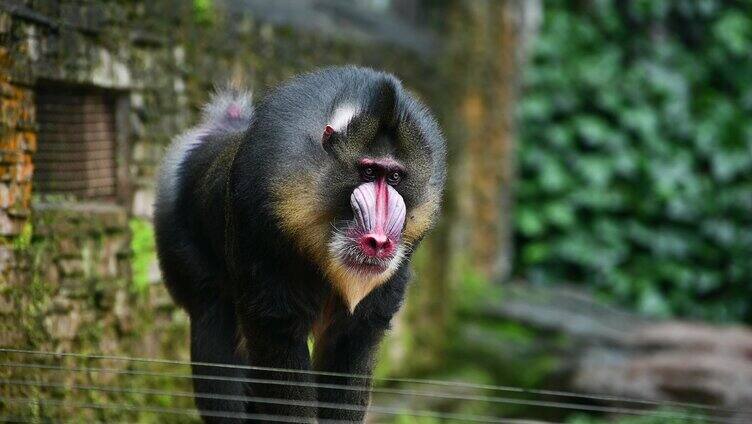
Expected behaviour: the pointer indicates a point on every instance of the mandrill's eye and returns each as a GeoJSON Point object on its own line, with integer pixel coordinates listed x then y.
{"type": "Point", "coordinates": [368, 173]}
{"type": "Point", "coordinates": [394, 178]}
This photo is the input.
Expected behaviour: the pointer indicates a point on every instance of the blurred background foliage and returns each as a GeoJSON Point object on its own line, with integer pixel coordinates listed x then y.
{"type": "Point", "coordinates": [635, 155]}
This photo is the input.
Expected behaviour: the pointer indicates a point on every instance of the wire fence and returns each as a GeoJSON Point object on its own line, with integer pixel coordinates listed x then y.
{"type": "Point", "coordinates": [55, 378]}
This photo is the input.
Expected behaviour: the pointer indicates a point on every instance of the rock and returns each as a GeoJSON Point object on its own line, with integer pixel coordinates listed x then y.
{"type": "Point", "coordinates": [159, 297]}
{"type": "Point", "coordinates": [61, 305]}
{"type": "Point", "coordinates": [143, 203]}
{"type": "Point", "coordinates": [12, 336]}
{"type": "Point", "coordinates": [675, 361]}
{"type": "Point", "coordinates": [71, 267]}
{"type": "Point", "coordinates": [122, 312]}
{"type": "Point", "coordinates": [7, 306]}
{"type": "Point", "coordinates": [63, 326]}
{"type": "Point", "coordinates": [68, 246]}
{"type": "Point", "coordinates": [614, 353]}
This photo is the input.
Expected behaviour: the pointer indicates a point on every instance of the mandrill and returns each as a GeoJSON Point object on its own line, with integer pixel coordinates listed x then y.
{"type": "Point", "coordinates": [293, 217]}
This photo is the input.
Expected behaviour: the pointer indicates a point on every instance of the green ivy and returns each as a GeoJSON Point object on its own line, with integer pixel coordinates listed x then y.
{"type": "Point", "coordinates": [660, 416]}
{"type": "Point", "coordinates": [144, 253]}
{"type": "Point", "coordinates": [635, 154]}
{"type": "Point", "coordinates": [23, 240]}
{"type": "Point", "coordinates": [203, 12]}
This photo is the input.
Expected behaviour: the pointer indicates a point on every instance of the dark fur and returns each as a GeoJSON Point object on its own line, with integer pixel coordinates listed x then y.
{"type": "Point", "coordinates": [252, 294]}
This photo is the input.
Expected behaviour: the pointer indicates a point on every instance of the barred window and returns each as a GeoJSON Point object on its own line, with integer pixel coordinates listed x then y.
{"type": "Point", "coordinates": [78, 143]}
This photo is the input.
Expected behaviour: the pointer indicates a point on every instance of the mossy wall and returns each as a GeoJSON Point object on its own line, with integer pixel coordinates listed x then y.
{"type": "Point", "coordinates": [77, 297]}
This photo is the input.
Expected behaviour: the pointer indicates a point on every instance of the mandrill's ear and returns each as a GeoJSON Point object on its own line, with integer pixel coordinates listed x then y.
{"type": "Point", "coordinates": [329, 138]}
{"type": "Point", "coordinates": [326, 138]}
{"type": "Point", "coordinates": [384, 100]}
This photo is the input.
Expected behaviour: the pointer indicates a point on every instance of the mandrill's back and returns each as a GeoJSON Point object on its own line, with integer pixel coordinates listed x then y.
{"type": "Point", "coordinates": [189, 210]}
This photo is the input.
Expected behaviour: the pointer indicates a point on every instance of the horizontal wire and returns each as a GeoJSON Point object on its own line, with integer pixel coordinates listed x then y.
{"type": "Point", "coordinates": [403, 392]}
{"type": "Point", "coordinates": [273, 401]}
{"type": "Point", "coordinates": [386, 379]}
{"type": "Point", "coordinates": [15, 419]}
{"type": "Point", "coordinates": [159, 410]}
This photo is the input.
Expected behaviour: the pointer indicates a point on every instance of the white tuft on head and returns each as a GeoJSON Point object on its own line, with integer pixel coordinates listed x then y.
{"type": "Point", "coordinates": [342, 116]}
{"type": "Point", "coordinates": [229, 110]}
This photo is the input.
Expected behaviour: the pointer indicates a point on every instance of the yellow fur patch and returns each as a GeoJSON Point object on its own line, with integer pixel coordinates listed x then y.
{"type": "Point", "coordinates": [298, 210]}
{"type": "Point", "coordinates": [420, 219]}
{"type": "Point", "coordinates": [351, 286]}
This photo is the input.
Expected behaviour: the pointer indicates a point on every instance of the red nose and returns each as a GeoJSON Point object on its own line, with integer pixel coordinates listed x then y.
{"type": "Point", "coordinates": [376, 245]}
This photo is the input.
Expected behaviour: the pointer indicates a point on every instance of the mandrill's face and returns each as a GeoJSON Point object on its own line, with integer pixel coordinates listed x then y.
{"type": "Point", "coordinates": [369, 242]}
{"type": "Point", "coordinates": [376, 192]}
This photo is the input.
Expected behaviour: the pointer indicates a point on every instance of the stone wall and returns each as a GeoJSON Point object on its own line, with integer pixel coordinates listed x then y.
{"type": "Point", "coordinates": [122, 47]}
{"type": "Point", "coordinates": [77, 297]}
{"type": "Point", "coordinates": [17, 144]}
{"type": "Point", "coordinates": [65, 267]}
{"type": "Point", "coordinates": [127, 48]}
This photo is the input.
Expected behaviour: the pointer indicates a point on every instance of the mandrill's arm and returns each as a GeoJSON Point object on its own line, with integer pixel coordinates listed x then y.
{"type": "Point", "coordinates": [276, 337]}
{"type": "Point", "coordinates": [279, 343]}
{"type": "Point", "coordinates": [347, 345]}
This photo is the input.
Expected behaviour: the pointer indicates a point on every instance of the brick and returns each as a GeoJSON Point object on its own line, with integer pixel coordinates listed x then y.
{"type": "Point", "coordinates": [10, 156]}
{"type": "Point", "coordinates": [107, 267]}
{"type": "Point", "coordinates": [10, 225]}
{"type": "Point", "coordinates": [16, 173]}
{"type": "Point", "coordinates": [10, 141]}
{"type": "Point", "coordinates": [24, 170]}
{"type": "Point", "coordinates": [19, 198]}
{"type": "Point", "coordinates": [10, 112]}
{"type": "Point", "coordinates": [7, 172]}
{"type": "Point", "coordinates": [50, 274]}
{"type": "Point", "coordinates": [6, 196]}
{"type": "Point", "coordinates": [6, 89]}
{"type": "Point", "coordinates": [61, 305]}
{"type": "Point", "coordinates": [7, 306]}
{"type": "Point", "coordinates": [28, 141]}
{"type": "Point", "coordinates": [68, 247]}
{"type": "Point", "coordinates": [5, 22]}
{"type": "Point", "coordinates": [13, 337]}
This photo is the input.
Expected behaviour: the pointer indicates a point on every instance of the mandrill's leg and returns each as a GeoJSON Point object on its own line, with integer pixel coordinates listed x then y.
{"type": "Point", "coordinates": [214, 339]}
{"type": "Point", "coordinates": [347, 344]}
{"type": "Point", "coordinates": [280, 343]}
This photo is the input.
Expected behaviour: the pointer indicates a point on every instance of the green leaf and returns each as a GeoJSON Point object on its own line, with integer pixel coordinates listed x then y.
{"type": "Point", "coordinates": [733, 30]}
{"type": "Point", "coordinates": [529, 222]}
